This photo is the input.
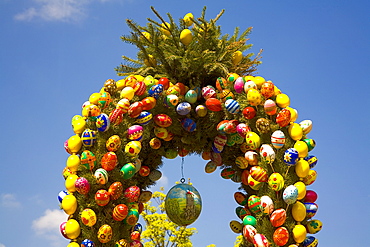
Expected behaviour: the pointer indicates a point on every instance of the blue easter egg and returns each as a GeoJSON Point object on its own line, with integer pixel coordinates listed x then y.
{"type": "Point", "coordinates": [183, 108]}
{"type": "Point", "coordinates": [62, 194]}
{"type": "Point", "coordinates": [144, 118]}
{"type": "Point", "coordinates": [310, 241]}
{"type": "Point", "coordinates": [188, 124]}
{"type": "Point", "coordinates": [156, 91]}
{"type": "Point", "coordinates": [311, 209]}
{"type": "Point", "coordinates": [291, 156]}
{"type": "Point", "coordinates": [102, 122]}
{"type": "Point", "coordinates": [88, 138]}
{"type": "Point", "coordinates": [138, 227]}
{"type": "Point", "coordinates": [290, 194]}
{"type": "Point", "coordinates": [232, 106]}
{"type": "Point", "coordinates": [87, 243]}
{"type": "Point", "coordinates": [217, 148]}
{"type": "Point", "coordinates": [312, 160]}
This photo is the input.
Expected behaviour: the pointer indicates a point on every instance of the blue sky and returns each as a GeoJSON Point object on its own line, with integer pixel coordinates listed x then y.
{"type": "Point", "coordinates": [55, 53]}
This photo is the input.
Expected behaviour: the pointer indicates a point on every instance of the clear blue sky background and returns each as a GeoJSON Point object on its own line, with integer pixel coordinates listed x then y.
{"type": "Point", "coordinates": [55, 53]}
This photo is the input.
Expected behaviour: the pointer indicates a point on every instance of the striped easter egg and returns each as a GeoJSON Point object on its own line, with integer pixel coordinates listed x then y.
{"type": "Point", "coordinates": [120, 212]}
{"type": "Point", "coordinates": [258, 173]}
{"type": "Point", "coordinates": [254, 204]}
{"type": "Point", "coordinates": [232, 106]}
{"type": "Point", "coordinates": [278, 139]}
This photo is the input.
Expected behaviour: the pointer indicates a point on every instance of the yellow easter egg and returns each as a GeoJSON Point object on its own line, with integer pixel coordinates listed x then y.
{"type": "Point", "coordinates": [276, 181]}
{"type": "Point", "coordinates": [186, 37]}
{"type": "Point", "coordinates": [73, 244]}
{"type": "Point", "coordinates": [254, 184]}
{"type": "Point", "coordinates": [254, 97]}
{"type": "Point", "coordinates": [293, 114]}
{"type": "Point", "coordinates": [248, 78]}
{"type": "Point", "coordinates": [259, 80]}
{"type": "Point", "coordinates": [237, 57]}
{"type": "Point", "coordinates": [69, 204]}
{"type": "Point", "coordinates": [127, 93]}
{"type": "Point", "coordinates": [301, 148]}
{"type": "Point", "coordinates": [94, 98]}
{"type": "Point", "coordinates": [88, 217]}
{"type": "Point", "coordinates": [161, 132]}
{"type": "Point", "coordinates": [72, 229]}
{"type": "Point", "coordinates": [133, 148]}
{"type": "Point", "coordinates": [299, 211]}
{"type": "Point", "coordinates": [301, 168]}
{"type": "Point", "coordinates": [73, 162]}
{"type": "Point", "coordinates": [295, 131]}
{"type": "Point", "coordinates": [79, 126]}
{"type": "Point", "coordinates": [276, 90]}
{"type": "Point", "coordinates": [253, 140]}
{"type": "Point", "coordinates": [301, 187]}
{"type": "Point", "coordinates": [120, 84]}
{"type": "Point", "coordinates": [70, 182]}
{"type": "Point", "coordinates": [165, 29]}
{"type": "Point", "coordinates": [188, 19]}
{"type": "Point", "coordinates": [299, 233]}
{"type": "Point", "coordinates": [139, 77]}
{"type": "Point", "coordinates": [76, 118]}
{"type": "Point", "coordinates": [310, 178]}
{"type": "Point", "coordinates": [282, 100]}
{"type": "Point", "coordinates": [74, 144]}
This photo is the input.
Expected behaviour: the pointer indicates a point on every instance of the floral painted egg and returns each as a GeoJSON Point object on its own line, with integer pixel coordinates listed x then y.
{"type": "Point", "coordinates": [254, 204]}
{"type": "Point", "coordinates": [144, 118]}
{"type": "Point", "coordinates": [232, 106]}
{"type": "Point", "coordinates": [133, 148]}
{"type": "Point", "coordinates": [113, 143]}
{"type": "Point", "coordinates": [162, 120]}
{"type": "Point", "coordinates": [155, 175]}
{"type": "Point", "coordinates": [239, 85]}
{"type": "Point", "coordinates": [135, 109]}
{"type": "Point", "coordinates": [183, 108]}
{"type": "Point", "coordinates": [258, 173]}
{"type": "Point", "coordinates": [183, 204]}
{"type": "Point", "coordinates": [254, 184]}
{"type": "Point", "coordinates": [278, 217]}
{"type": "Point", "coordinates": [249, 112]}
{"type": "Point", "coordinates": [251, 157]}
{"type": "Point", "coordinates": [310, 144]}
{"type": "Point", "coordinates": [248, 233]}
{"type": "Point", "coordinates": [243, 129]}
{"type": "Point", "coordinates": [88, 159]}
{"type": "Point", "coordinates": [105, 233]}
{"type": "Point", "coordinates": [267, 154]}
{"type": "Point", "coordinates": [201, 110]}
{"type": "Point", "coordinates": [310, 241]}
{"type": "Point", "coordinates": [144, 171]}
{"type": "Point", "coordinates": [278, 139]}
{"type": "Point", "coordinates": [87, 243]}
{"type": "Point", "coordinates": [227, 173]}
{"type": "Point", "coordinates": [102, 122]}
{"type": "Point", "coordinates": [276, 181]}
{"type": "Point", "coordinates": [310, 178]}
{"type": "Point", "coordinates": [283, 117]}
{"type": "Point", "coordinates": [290, 194]}
{"type": "Point", "coordinates": [254, 97]}
{"type": "Point", "coordinates": [120, 212]}
{"type": "Point", "coordinates": [188, 124]}
{"type": "Point", "coordinates": [128, 170]}
{"type": "Point", "coordinates": [82, 185]}
{"type": "Point", "coordinates": [171, 100]}
{"type": "Point", "coordinates": [249, 85]}
{"type": "Point", "coordinates": [115, 190]}
{"type": "Point", "coordinates": [135, 132]}
{"type": "Point", "coordinates": [101, 176]}
{"type": "Point", "coordinates": [311, 209]}
{"type": "Point", "coordinates": [102, 197]}
{"type": "Point", "coordinates": [88, 138]}
{"type": "Point", "coordinates": [267, 205]}
{"type": "Point", "coordinates": [312, 160]}
{"type": "Point", "coordinates": [267, 89]}
{"type": "Point", "coordinates": [213, 104]}
{"type": "Point", "coordinates": [208, 92]}
{"type": "Point", "coordinates": [123, 104]}
{"type": "Point", "coordinates": [132, 193]}
{"type": "Point", "coordinates": [241, 162]}
{"type": "Point", "coordinates": [88, 217]}
{"type": "Point", "coordinates": [191, 96]}
{"type": "Point", "coordinates": [249, 220]}
{"type": "Point", "coordinates": [270, 107]}
{"type": "Point", "coordinates": [109, 161]}
{"type": "Point", "coordinates": [156, 91]}
{"type": "Point", "coordinates": [253, 140]}
{"type": "Point", "coordinates": [313, 226]}
{"type": "Point", "coordinates": [221, 83]}
{"type": "Point", "coordinates": [260, 240]}
{"type": "Point", "coordinates": [281, 236]}
{"type": "Point", "coordinates": [116, 116]}
{"type": "Point", "coordinates": [290, 156]}
{"type": "Point", "coordinates": [236, 226]}
{"type": "Point", "coordinates": [148, 103]}
{"type": "Point", "coordinates": [306, 126]}
{"type": "Point", "coordinates": [241, 198]}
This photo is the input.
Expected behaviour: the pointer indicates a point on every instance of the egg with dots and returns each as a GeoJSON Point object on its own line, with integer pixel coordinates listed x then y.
{"type": "Point", "coordinates": [135, 132]}
{"type": "Point", "coordinates": [102, 197]}
{"type": "Point", "coordinates": [113, 143]}
{"type": "Point", "coordinates": [101, 176]}
{"type": "Point", "coordinates": [82, 185]}
{"type": "Point", "coordinates": [253, 140]}
{"type": "Point", "coordinates": [144, 118]}
{"type": "Point", "coordinates": [123, 104]}
{"type": "Point", "coordinates": [267, 89]}
{"type": "Point", "coordinates": [239, 85]}
{"type": "Point", "coordinates": [254, 97]}
{"type": "Point", "coordinates": [208, 92]}
{"type": "Point", "coordinates": [133, 148]}
{"type": "Point", "coordinates": [116, 116]}
{"type": "Point", "coordinates": [105, 233]}
{"type": "Point", "coordinates": [236, 226]}
{"type": "Point", "coordinates": [132, 193]}
{"type": "Point", "coordinates": [249, 112]}
{"type": "Point", "coordinates": [267, 154]}
{"type": "Point", "coordinates": [283, 117]}
{"type": "Point", "coordinates": [115, 190]}
{"type": "Point", "coordinates": [276, 181]}
{"type": "Point", "coordinates": [227, 173]}
{"type": "Point", "coordinates": [258, 173]}
{"type": "Point", "coordinates": [254, 184]}
{"type": "Point", "coordinates": [221, 83]}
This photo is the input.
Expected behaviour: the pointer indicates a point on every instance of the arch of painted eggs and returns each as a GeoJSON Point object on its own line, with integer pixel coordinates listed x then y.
{"type": "Point", "coordinates": [137, 97]}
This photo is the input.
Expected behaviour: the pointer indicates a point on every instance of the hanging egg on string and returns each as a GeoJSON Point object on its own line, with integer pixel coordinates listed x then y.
{"type": "Point", "coordinates": [171, 100]}
{"type": "Point", "coordinates": [299, 211]}
{"type": "Point", "coordinates": [249, 84]}
{"type": "Point", "coordinates": [208, 92]}
{"type": "Point", "coordinates": [201, 110]}
{"type": "Point", "coordinates": [311, 196]}
{"type": "Point", "coordinates": [74, 144]}
{"type": "Point", "coordinates": [295, 131]}
{"type": "Point", "coordinates": [241, 198]}
{"type": "Point", "coordinates": [260, 240]}
{"type": "Point", "coordinates": [301, 148]}
{"type": "Point", "coordinates": [127, 93]}
{"type": "Point", "coordinates": [105, 100]}
{"type": "Point", "coordinates": [306, 126]}
{"type": "Point", "coordinates": [293, 114]}
{"type": "Point", "coordinates": [299, 233]}
{"type": "Point", "coordinates": [241, 212]}
{"type": "Point", "coordinates": [144, 118]}
{"type": "Point", "coordinates": [243, 129]}
{"type": "Point", "coordinates": [120, 212]}
{"type": "Point", "coordinates": [253, 183]}
{"type": "Point", "coordinates": [250, 220]}
{"type": "Point", "coordinates": [116, 116]}
{"type": "Point", "coordinates": [155, 175]}
{"type": "Point", "coordinates": [210, 167]}
{"type": "Point", "coordinates": [254, 97]}
{"type": "Point", "coordinates": [135, 109]}
{"type": "Point", "coordinates": [123, 105]}
{"type": "Point", "coordinates": [310, 178]}
{"type": "Point", "coordinates": [148, 103]}
{"type": "Point", "coordinates": [258, 173]}
{"type": "Point", "coordinates": [310, 144]}
{"type": "Point", "coordinates": [214, 104]}
{"type": "Point", "coordinates": [310, 241]}
{"type": "Point", "coordinates": [91, 111]}
{"type": "Point", "coordinates": [227, 173]}
{"type": "Point", "coordinates": [253, 140]}
{"type": "Point", "coordinates": [251, 157]}
{"type": "Point", "coordinates": [155, 91]}
{"type": "Point", "coordinates": [133, 148]}
{"type": "Point", "coordinates": [102, 122]}
{"type": "Point", "coordinates": [191, 96]}
{"type": "Point", "coordinates": [79, 126]}
{"type": "Point", "coordinates": [267, 89]}
{"type": "Point", "coordinates": [311, 209]}
{"type": "Point", "coordinates": [221, 83]}
{"type": "Point", "coordinates": [267, 154]}
{"type": "Point", "coordinates": [73, 163]}
{"type": "Point", "coordinates": [115, 190]}
{"type": "Point", "coordinates": [312, 160]}
{"type": "Point", "coordinates": [183, 204]}
{"type": "Point", "coordinates": [276, 181]}
{"type": "Point", "coordinates": [102, 197]}
{"type": "Point", "coordinates": [69, 204]}
{"type": "Point", "coordinates": [72, 229]}
{"type": "Point", "coordinates": [139, 88]}
{"type": "Point", "coordinates": [82, 185]}
{"type": "Point", "coordinates": [263, 125]}
{"type": "Point", "coordinates": [290, 194]}
{"type": "Point", "coordinates": [236, 226]}
{"type": "Point", "coordinates": [282, 100]}
{"type": "Point", "coordinates": [301, 187]}
{"type": "Point", "coordinates": [62, 194]}
{"type": "Point", "coordinates": [302, 168]}
{"type": "Point", "coordinates": [109, 161]}
{"type": "Point", "coordinates": [254, 204]}
{"type": "Point", "coordinates": [267, 205]}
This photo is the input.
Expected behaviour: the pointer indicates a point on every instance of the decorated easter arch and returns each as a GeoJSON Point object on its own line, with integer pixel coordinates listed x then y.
{"type": "Point", "coordinates": [239, 123]}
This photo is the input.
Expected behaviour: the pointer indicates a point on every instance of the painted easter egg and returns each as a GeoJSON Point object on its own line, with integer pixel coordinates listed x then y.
{"type": "Point", "coordinates": [267, 205]}
{"type": "Point", "coordinates": [281, 236]}
{"type": "Point", "coordinates": [148, 103]}
{"type": "Point", "coordinates": [310, 144]}
{"type": "Point", "coordinates": [88, 159]}
{"type": "Point", "coordinates": [210, 167]}
{"type": "Point", "coordinates": [278, 217]}
{"type": "Point", "coordinates": [310, 241]}
{"type": "Point", "coordinates": [188, 124]}
{"type": "Point", "coordinates": [267, 89]}
{"type": "Point", "coordinates": [249, 112]}
{"type": "Point", "coordinates": [171, 100]}
{"type": "Point", "coordinates": [91, 111]}
{"type": "Point", "coordinates": [88, 138]}
{"type": "Point", "coordinates": [253, 140]}
{"type": "Point", "coordinates": [109, 161]}
{"type": "Point", "coordinates": [156, 91]}
{"type": "Point", "coordinates": [105, 233]}
{"type": "Point", "coordinates": [135, 109]}
{"type": "Point", "coordinates": [162, 120]}
{"type": "Point", "coordinates": [270, 107]}
{"type": "Point", "coordinates": [248, 232]}
{"type": "Point", "coordinates": [104, 100]}
{"type": "Point", "coordinates": [139, 88]}
{"type": "Point", "coordinates": [254, 184]}
{"type": "Point", "coordinates": [127, 93]}
{"type": "Point", "coordinates": [120, 212]}
{"type": "Point", "coordinates": [101, 176]}
{"type": "Point", "coordinates": [62, 194]}
{"type": "Point", "coordinates": [123, 104]}
{"type": "Point", "coordinates": [135, 132]}
{"type": "Point", "coordinates": [263, 125]}
{"type": "Point", "coordinates": [144, 118]}
{"type": "Point", "coordinates": [276, 181]}
{"type": "Point", "coordinates": [311, 196]}
{"type": "Point", "coordinates": [225, 95]}
{"type": "Point", "coordinates": [183, 108]}
{"type": "Point", "coordinates": [241, 162]}
{"type": "Point", "coordinates": [102, 197]}
{"type": "Point", "coordinates": [88, 217]}
{"type": "Point", "coordinates": [208, 92]}
{"type": "Point", "coordinates": [310, 178]}
{"type": "Point", "coordinates": [145, 196]}
{"type": "Point", "coordinates": [113, 143]}
{"type": "Point", "coordinates": [311, 209]}
{"type": "Point", "coordinates": [260, 240]}
{"type": "Point", "coordinates": [213, 104]}
{"type": "Point", "coordinates": [249, 84]}
{"type": "Point", "coordinates": [278, 139]}
{"type": "Point", "coordinates": [299, 233]}
{"type": "Point", "coordinates": [250, 220]}
{"type": "Point", "coordinates": [102, 122]}
{"type": "Point", "coordinates": [201, 110]}
{"type": "Point", "coordinates": [251, 157]}
{"type": "Point", "coordinates": [290, 156]}
{"type": "Point", "coordinates": [155, 175]}
{"type": "Point", "coordinates": [191, 96]}
{"type": "Point", "coordinates": [241, 212]}
{"type": "Point", "coordinates": [242, 129]}
{"type": "Point", "coordinates": [155, 143]}
{"type": "Point", "coordinates": [87, 243]}
{"type": "Point", "coordinates": [144, 171]}
{"type": "Point", "coordinates": [312, 160]}
{"type": "Point", "coordinates": [116, 116]}
{"type": "Point", "coordinates": [239, 85]}
{"type": "Point", "coordinates": [240, 198]}
{"type": "Point", "coordinates": [221, 83]}
{"type": "Point", "coordinates": [232, 106]}
{"type": "Point", "coordinates": [128, 170]}
{"type": "Point", "coordinates": [227, 173]}
{"type": "Point", "coordinates": [132, 193]}
{"type": "Point", "coordinates": [133, 148]}
{"type": "Point", "coordinates": [306, 126]}
{"type": "Point", "coordinates": [301, 189]}
{"type": "Point", "coordinates": [254, 204]}
{"type": "Point", "coordinates": [290, 194]}
{"type": "Point", "coordinates": [258, 173]}
{"type": "Point", "coordinates": [267, 153]}
{"type": "Point", "coordinates": [254, 97]}
{"type": "Point", "coordinates": [283, 117]}
{"type": "Point", "coordinates": [115, 190]}
{"type": "Point", "coordinates": [236, 226]}
{"type": "Point", "coordinates": [82, 185]}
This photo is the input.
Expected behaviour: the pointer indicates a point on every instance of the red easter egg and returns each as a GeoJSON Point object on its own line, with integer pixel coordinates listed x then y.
{"type": "Point", "coordinates": [311, 196]}
{"type": "Point", "coordinates": [244, 176]}
{"type": "Point", "coordinates": [132, 193]}
{"type": "Point", "coordinates": [182, 88]}
{"type": "Point", "coordinates": [109, 161]}
{"type": "Point", "coordinates": [144, 171]}
{"type": "Point", "coordinates": [163, 120]}
{"type": "Point", "coordinates": [139, 88]}
{"type": "Point", "coordinates": [115, 190]}
{"type": "Point", "coordinates": [102, 197]}
{"type": "Point", "coordinates": [249, 112]}
{"type": "Point", "coordinates": [213, 104]}
{"type": "Point", "coordinates": [183, 152]}
{"type": "Point", "coordinates": [120, 212]}
{"type": "Point", "coordinates": [240, 198]}
{"type": "Point", "coordinates": [116, 116]}
{"type": "Point", "coordinates": [148, 103]}
{"type": "Point", "coordinates": [165, 82]}
{"type": "Point", "coordinates": [135, 109]}
{"type": "Point", "coordinates": [227, 173]}
{"type": "Point", "coordinates": [217, 158]}
{"type": "Point", "coordinates": [123, 104]}
{"type": "Point", "coordinates": [283, 117]}
{"type": "Point", "coordinates": [281, 236]}
{"type": "Point", "coordinates": [258, 173]}
{"type": "Point", "coordinates": [267, 89]}
{"type": "Point", "coordinates": [259, 240]}
{"type": "Point", "coordinates": [248, 233]}
{"type": "Point", "coordinates": [135, 235]}
{"type": "Point", "coordinates": [230, 126]}
{"type": "Point", "coordinates": [278, 217]}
